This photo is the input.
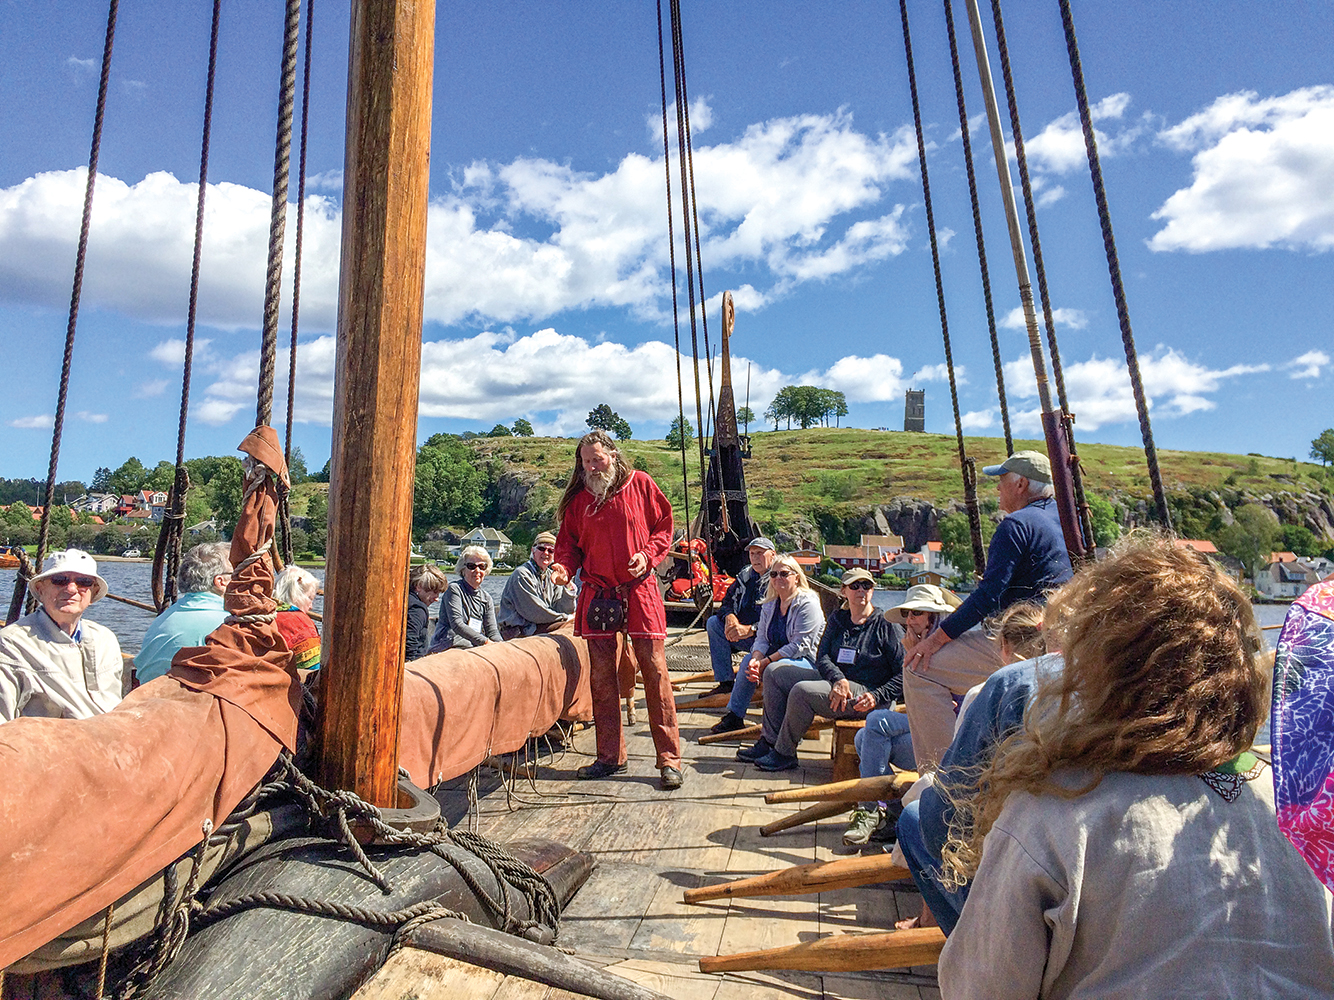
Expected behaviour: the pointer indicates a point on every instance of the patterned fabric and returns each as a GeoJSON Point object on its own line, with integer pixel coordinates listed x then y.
{"type": "Point", "coordinates": [1303, 729]}
{"type": "Point", "coordinates": [298, 630]}
{"type": "Point", "coordinates": [1227, 779]}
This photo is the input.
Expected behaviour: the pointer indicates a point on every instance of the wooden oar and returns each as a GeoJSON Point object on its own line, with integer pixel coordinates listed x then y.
{"type": "Point", "coordinates": [878, 789]}
{"type": "Point", "coordinates": [714, 700]}
{"type": "Point", "coordinates": [821, 810]}
{"type": "Point", "coordinates": [703, 675]}
{"type": "Point", "coordinates": [133, 603]}
{"type": "Point", "coordinates": [801, 880]}
{"type": "Point", "coordinates": [840, 953]}
{"type": "Point", "coordinates": [741, 735]}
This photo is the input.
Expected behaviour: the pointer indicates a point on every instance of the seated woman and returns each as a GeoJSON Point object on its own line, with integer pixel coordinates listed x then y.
{"type": "Point", "coordinates": [425, 584]}
{"type": "Point", "coordinates": [1123, 842]}
{"type": "Point", "coordinates": [885, 740]}
{"type": "Point", "coordinates": [858, 666]}
{"type": "Point", "coordinates": [294, 589]}
{"type": "Point", "coordinates": [788, 632]}
{"type": "Point", "coordinates": [467, 613]}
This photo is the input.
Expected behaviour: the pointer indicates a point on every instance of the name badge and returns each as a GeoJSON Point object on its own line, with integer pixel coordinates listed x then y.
{"type": "Point", "coordinates": [847, 655]}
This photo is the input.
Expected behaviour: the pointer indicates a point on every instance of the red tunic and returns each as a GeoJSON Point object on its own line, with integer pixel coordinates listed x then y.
{"type": "Point", "coordinates": [637, 518]}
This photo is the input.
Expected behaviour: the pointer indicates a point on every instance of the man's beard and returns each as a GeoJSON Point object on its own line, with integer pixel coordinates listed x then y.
{"type": "Point", "coordinates": [598, 483]}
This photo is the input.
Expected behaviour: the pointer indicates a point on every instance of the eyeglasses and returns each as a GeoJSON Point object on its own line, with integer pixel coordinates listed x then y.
{"type": "Point", "coordinates": [782, 574]}
{"type": "Point", "coordinates": [82, 582]}
{"type": "Point", "coordinates": [861, 585]}
{"type": "Point", "coordinates": [914, 614]}
{"type": "Point", "coordinates": [474, 565]}
{"type": "Point", "coordinates": [544, 548]}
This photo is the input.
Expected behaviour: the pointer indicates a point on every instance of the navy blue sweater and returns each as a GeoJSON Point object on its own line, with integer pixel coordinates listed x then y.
{"type": "Point", "coordinates": [743, 597]}
{"type": "Point", "coordinates": [1026, 558]}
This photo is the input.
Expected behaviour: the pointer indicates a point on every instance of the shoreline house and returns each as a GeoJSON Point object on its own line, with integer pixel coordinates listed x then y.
{"type": "Point", "coordinates": [497, 544]}
{"type": "Point", "coordinates": [854, 557]}
{"type": "Point", "coordinates": [1285, 577]}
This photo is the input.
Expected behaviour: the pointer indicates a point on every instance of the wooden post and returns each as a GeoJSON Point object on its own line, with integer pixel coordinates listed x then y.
{"type": "Point", "coordinates": [375, 392]}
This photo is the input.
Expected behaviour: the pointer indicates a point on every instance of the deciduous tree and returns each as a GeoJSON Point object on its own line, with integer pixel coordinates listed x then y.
{"type": "Point", "coordinates": [522, 428]}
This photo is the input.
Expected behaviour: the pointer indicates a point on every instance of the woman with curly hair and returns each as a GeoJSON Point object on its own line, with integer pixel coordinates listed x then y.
{"type": "Point", "coordinates": [1123, 842]}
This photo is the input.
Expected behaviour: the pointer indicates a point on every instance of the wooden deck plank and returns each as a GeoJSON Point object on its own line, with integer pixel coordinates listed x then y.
{"type": "Point", "coordinates": [783, 985]}
{"type": "Point", "coordinates": [753, 854]}
{"type": "Point", "coordinates": [669, 925]}
{"type": "Point", "coordinates": [606, 912]}
{"type": "Point", "coordinates": [514, 988]}
{"type": "Point", "coordinates": [754, 924]}
{"type": "Point", "coordinates": [848, 988]}
{"type": "Point", "coordinates": [666, 834]}
{"type": "Point", "coordinates": [680, 982]}
{"type": "Point", "coordinates": [412, 973]}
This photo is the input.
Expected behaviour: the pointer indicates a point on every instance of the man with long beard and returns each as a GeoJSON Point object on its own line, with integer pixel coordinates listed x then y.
{"type": "Point", "coordinates": [615, 526]}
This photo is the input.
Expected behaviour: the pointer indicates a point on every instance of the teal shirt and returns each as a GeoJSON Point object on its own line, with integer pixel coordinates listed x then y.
{"type": "Point", "coordinates": [185, 623]}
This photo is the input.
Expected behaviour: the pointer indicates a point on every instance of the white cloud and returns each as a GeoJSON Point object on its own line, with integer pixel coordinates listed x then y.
{"type": "Point", "coordinates": [1072, 319]}
{"type": "Point", "coordinates": [85, 65]}
{"type": "Point", "coordinates": [34, 423]}
{"type": "Point", "coordinates": [944, 235]}
{"type": "Point", "coordinates": [790, 200]}
{"type": "Point", "coordinates": [1100, 393]}
{"type": "Point", "coordinates": [551, 378]}
{"type": "Point", "coordinates": [329, 180]}
{"type": "Point", "coordinates": [1263, 174]}
{"type": "Point", "coordinates": [91, 418]}
{"type": "Point", "coordinates": [1059, 147]}
{"type": "Point", "coordinates": [153, 387]}
{"type": "Point", "coordinates": [976, 420]}
{"type": "Point", "coordinates": [1308, 365]}
{"type": "Point", "coordinates": [700, 118]}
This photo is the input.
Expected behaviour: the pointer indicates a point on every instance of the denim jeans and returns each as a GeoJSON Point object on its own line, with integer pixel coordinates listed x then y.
{"type": "Point", "coordinates": [945, 905]}
{"type": "Point", "coordinates": [884, 741]}
{"type": "Point", "coordinates": [721, 649]}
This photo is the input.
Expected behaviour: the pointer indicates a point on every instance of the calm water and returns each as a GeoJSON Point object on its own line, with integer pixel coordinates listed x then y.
{"type": "Point", "coordinates": [133, 580]}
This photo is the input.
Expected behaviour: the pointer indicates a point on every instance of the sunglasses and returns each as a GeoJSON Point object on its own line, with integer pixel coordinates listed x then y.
{"type": "Point", "coordinates": [782, 574]}
{"type": "Point", "coordinates": [860, 585]}
{"type": "Point", "coordinates": [915, 614]}
{"type": "Point", "coordinates": [544, 548]}
{"type": "Point", "coordinates": [474, 565]}
{"type": "Point", "coordinates": [82, 582]}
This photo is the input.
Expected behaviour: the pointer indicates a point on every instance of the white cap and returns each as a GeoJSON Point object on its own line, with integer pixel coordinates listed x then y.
{"type": "Point", "coordinates": [76, 562]}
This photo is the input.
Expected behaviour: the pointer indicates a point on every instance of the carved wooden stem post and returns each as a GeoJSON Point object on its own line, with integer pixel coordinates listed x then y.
{"type": "Point", "coordinates": [375, 392]}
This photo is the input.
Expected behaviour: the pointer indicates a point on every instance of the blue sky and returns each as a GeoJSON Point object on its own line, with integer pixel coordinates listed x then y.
{"type": "Point", "coordinates": [547, 288]}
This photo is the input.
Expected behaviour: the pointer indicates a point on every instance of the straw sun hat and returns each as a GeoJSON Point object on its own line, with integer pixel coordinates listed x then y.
{"type": "Point", "coordinates": [924, 597]}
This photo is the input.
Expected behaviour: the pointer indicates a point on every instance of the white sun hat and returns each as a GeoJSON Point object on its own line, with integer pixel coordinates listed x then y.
{"type": "Point", "coordinates": [924, 597]}
{"type": "Point", "coordinates": [75, 562]}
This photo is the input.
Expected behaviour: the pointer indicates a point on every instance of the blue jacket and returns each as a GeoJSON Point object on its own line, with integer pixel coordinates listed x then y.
{"type": "Point", "coordinates": [743, 597]}
{"type": "Point", "coordinates": [186, 623]}
{"type": "Point", "coordinates": [1026, 558]}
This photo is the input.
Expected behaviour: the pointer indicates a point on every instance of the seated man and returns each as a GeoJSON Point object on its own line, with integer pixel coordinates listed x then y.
{"type": "Point", "coordinates": [1027, 558]}
{"type": "Point", "coordinates": [53, 664]}
{"type": "Point", "coordinates": [200, 581]}
{"type": "Point", "coordinates": [532, 602]}
{"type": "Point", "coordinates": [732, 628]}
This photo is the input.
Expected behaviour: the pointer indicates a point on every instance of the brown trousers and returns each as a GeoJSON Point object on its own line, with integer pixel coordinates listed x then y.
{"type": "Point", "coordinates": [609, 686]}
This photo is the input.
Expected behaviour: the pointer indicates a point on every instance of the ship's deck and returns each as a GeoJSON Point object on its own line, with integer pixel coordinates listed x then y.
{"type": "Point", "coordinates": [651, 845]}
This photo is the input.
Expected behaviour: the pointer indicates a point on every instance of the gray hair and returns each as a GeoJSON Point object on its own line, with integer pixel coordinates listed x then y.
{"type": "Point", "coordinates": [201, 564]}
{"type": "Point", "coordinates": [428, 577]}
{"type": "Point", "coordinates": [1036, 490]}
{"type": "Point", "coordinates": [294, 582]}
{"type": "Point", "coordinates": [472, 552]}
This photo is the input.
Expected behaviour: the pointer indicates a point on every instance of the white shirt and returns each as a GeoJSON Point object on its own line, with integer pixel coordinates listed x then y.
{"type": "Point", "coordinates": [45, 672]}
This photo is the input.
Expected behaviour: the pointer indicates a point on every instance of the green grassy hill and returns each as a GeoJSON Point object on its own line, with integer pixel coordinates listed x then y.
{"type": "Point", "coordinates": [794, 471]}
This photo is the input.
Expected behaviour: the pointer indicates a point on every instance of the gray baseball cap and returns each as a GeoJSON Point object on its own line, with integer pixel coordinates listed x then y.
{"type": "Point", "coordinates": [762, 543]}
{"type": "Point", "coordinates": [1032, 465]}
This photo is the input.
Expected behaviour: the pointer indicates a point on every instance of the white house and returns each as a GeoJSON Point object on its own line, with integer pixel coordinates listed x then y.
{"type": "Point", "coordinates": [495, 541]}
{"type": "Point", "coordinates": [96, 503]}
{"type": "Point", "coordinates": [934, 562]}
{"type": "Point", "coordinates": [1285, 579]}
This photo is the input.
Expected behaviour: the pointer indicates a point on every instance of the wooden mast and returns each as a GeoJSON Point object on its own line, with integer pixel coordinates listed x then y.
{"type": "Point", "coordinates": [386, 170]}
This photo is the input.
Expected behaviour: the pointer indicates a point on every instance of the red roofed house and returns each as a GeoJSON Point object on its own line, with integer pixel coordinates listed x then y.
{"type": "Point", "coordinates": [852, 556]}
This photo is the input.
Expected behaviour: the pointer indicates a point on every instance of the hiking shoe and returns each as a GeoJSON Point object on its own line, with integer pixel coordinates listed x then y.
{"type": "Point", "coordinates": [750, 754]}
{"type": "Point", "coordinates": [887, 832]}
{"type": "Point", "coordinates": [864, 823]}
{"type": "Point", "coordinates": [724, 688]}
{"type": "Point", "coordinates": [669, 778]}
{"type": "Point", "coordinates": [599, 769]}
{"type": "Point", "coordinates": [775, 761]}
{"type": "Point", "coordinates": [729, 723]}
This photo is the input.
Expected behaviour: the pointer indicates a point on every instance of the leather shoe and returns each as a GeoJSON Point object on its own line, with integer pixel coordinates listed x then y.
{"type": "Point", "coordinates": [724, 688]}
{"type": "Point", "coordinates": [599, 769]}
{"type": "Point", "coordinates": [753, 753]}
{"type": "Point", "coordinates": [729, 723]}
{"type": "Point", "coordinates": [669, 778]}
{"type": "Point", "coordinates": [775, 761]}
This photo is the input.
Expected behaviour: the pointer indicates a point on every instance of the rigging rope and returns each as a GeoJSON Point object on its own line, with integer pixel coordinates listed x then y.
{"type": "Point", "coordinates": [1114, 268]}
{"type": "Point", "coordinates": [977, 228]}
{"type": "Point", "coordinates": [679, 68]}
{"type": "Point", "coordinates": [167, 556]}
{"type": "Point", "coordinates": [284, 511]}
{"type": "Point", "coordinates": [966, 465]}
{"type": "Point", "coordinates": [1048, 317]}
{"type": "Point", "coordinates": [43, 532]}
{"type": "Point", "coordinates": [671, 256]}
{"type": "Point", "coordinates": [282, 161]}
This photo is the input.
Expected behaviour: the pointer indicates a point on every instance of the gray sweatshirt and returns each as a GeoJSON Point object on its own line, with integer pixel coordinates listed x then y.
{"type": "Point", "coordinates": [531, 599]}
